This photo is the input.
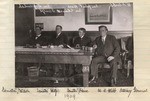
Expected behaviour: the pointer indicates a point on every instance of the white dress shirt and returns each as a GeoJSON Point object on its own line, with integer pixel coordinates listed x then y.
{"type": "Point", "coordinates": [103, 39]}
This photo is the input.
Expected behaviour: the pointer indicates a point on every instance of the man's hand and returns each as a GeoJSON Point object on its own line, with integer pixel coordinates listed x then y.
{"type": "Point", "coordinates": [110, 58]}
{"type": "Point", "coordinates": [94, 46]}
{"type": "Point", "coordinates": [38, 45]}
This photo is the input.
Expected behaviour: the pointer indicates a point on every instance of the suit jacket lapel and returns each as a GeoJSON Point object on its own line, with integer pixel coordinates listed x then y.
{"type": "Point", "coordinates": [107, 40]}
{"type": "Point", "coordinates": [58, 35]}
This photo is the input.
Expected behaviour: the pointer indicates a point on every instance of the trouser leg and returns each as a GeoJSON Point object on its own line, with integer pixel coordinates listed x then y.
{"type": "Point", "coordinates": [114, 69]}
{"type": "Point", "coordinates": [94, 64]}
{"type": "Point", "coordinates": [71, 69]}
{"type": "Point", "coordinates": [78, 68]}
{"type": "Point", "coordinates": [56, 68]}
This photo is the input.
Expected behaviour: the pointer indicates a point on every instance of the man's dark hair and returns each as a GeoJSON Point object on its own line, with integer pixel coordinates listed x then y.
{"type": "Point", "coordinates": [104, 27]}
{"type": "Point", "coordinates": [38, 27]}
{"type": "Point", "coordinates": [82, 29]}
{"type": "Point", "coordinates": [59, 26]}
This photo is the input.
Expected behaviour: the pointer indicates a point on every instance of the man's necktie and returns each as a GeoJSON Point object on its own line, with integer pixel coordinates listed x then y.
{"type": "Point", "coordinates": [103, 40]}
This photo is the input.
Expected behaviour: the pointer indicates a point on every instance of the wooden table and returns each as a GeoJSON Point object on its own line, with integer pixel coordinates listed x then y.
{"type": "Point", "coordinates": [56, 55]}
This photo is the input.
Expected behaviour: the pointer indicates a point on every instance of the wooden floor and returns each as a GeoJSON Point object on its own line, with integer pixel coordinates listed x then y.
{"type": "Point", "coordinates": [103, 81]}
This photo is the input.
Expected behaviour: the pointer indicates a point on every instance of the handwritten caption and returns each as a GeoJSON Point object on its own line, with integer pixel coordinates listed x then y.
{"type": "Point", "coordinates": [47, 8]}
{"type": "Point", "coordinates": [71, 93]}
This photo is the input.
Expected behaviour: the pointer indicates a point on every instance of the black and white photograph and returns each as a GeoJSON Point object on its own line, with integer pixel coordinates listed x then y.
{"type": "Point", "coordinates": [74, 45]}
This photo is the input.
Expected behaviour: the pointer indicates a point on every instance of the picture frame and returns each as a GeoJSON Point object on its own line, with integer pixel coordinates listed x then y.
{"type": "Point", "coordinates": [99, 14]}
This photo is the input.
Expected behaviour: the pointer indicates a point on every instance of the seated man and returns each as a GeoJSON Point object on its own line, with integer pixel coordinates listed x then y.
{"type": "Point", "coordinates": [129, 47]}
{"type": "Point", "coordinates": [106, 51]}
{"type": "Point", "coordinates": [82, 39]}
{"type": "Point", "coordinates": [59, 40]}
{"type": "Point", "coordinates": [37, 38]}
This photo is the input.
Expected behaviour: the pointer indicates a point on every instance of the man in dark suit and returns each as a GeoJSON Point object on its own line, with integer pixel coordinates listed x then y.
{"type": "Point", "coordinates": [82, 39]}
{"type": "Point", "coordinates": [78, 42]}
{"type": "Point", "coordinates": [37, 38]}
{"type": "Point", "coordinates": [60, 39]}
{"type": "Point", "coordinates": [107, 50]}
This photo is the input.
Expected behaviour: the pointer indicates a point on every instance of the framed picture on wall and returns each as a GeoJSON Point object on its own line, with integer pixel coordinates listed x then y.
{"type": "Point", "coordinates": [99, 14]}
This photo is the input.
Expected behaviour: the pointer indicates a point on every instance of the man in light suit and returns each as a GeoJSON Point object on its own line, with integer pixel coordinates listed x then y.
{"type": "Point", "coordinates": [107, 50]}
